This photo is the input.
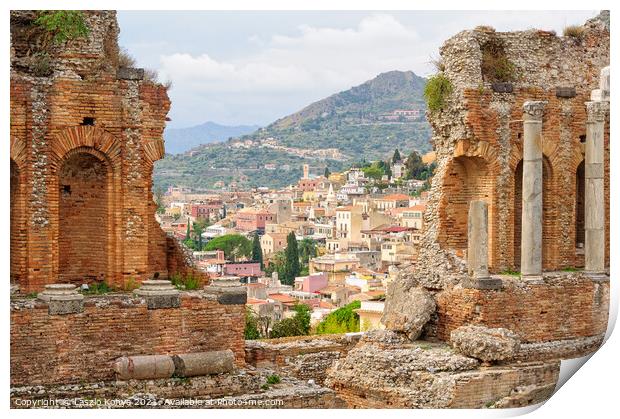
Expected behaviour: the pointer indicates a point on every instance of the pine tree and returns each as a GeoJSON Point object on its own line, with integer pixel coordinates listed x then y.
{"type": "Point", "coordinates": [257, 251]}
{"type": "Point", "coordinates": [187, 234]}
{"type": "Point", "coordinates": [396, 156]}
{"type": "Point", "coordinates": [327, 173]}
{"type": "Point", "coordinates": [292, 266]}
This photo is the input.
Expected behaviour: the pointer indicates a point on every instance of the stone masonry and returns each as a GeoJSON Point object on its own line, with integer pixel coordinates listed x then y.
{"type": "Point", "coordinates": [84, 136]}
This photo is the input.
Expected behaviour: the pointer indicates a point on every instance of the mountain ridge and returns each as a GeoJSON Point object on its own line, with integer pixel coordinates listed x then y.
{"type": "Point", "coordinates": [180, 140]}
{"type": "Point", "coordinates": [366, 122]}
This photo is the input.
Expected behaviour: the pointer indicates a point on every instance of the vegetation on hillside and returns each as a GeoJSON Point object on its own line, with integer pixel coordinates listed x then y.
{"type": "Point", "coordinates": [353, 122]}
{"type": "Point", "coordinates": [342, 320]}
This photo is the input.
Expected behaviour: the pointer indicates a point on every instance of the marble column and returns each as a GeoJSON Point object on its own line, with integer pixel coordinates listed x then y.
{"type": "Point", "coordinates": [595, 187]}
{"type": "Point", "coordinates": [478, 248]}
{"type": "Point", "coordinates": [532, 208]}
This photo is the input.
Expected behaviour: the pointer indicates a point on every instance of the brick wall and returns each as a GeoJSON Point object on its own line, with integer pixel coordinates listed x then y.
{"type": "Point", "coordinates": [567, 308]}
{"type": "Point", "coordinates": [82, 347]}
{"type": "Point", "coordinates": [83, 141]}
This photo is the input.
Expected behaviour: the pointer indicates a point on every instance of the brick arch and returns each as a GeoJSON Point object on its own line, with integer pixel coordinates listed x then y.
{"type": "Point", "coordinates": [466, 178]}
{"type": "Point", "coordinates": [97, 178]}
{"type": "Point", "coordinates": [18, 208]}
{"type": "Point", "coordinates": [86, 137]}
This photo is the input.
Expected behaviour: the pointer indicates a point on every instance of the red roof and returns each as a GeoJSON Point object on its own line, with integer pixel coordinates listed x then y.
{"type": "Point", "coordinates": [395, 197]}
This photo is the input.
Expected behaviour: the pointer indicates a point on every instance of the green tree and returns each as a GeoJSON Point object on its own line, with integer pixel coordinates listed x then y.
{"type": "Point", "coordinates": [257, 251]}
{"type": "Point", "coordinates": [327, 172]}
{"type": "Point", "coordinates": [199, 227]}
{"type": "Point", "coordinates": [234, 246]}
{"type": "Point", "coordinates": [298, 325]}
{"type": "Point", "coordinates": [292, 265]}
{"type": "Point", "coordinates": [342, 320]}
{"type": "Point", "coordinates": [251, 325]}
{"type": "Point", "coordinates": [396, 157]}
{"type": "Point", "coordinates": [277, 261]}
{"type": "Point", "coordinates": [414, 166]}
{"type": "Point", "coordinates": [307, 250]}
{"type": "Point", "coordinates": [188, 232]}
{"type": "Point", "coordinates": [159, 200]}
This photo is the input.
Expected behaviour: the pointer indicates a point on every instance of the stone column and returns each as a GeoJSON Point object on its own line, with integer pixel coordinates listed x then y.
{"type": "Point", "coordinates": [595, 187]}
{"type": "Point", "coordinates": [532, 208]}
{"type": "Point", "coordinates": [478, 248]}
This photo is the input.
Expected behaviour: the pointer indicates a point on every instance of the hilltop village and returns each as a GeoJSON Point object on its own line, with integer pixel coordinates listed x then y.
{"type": "Point", "coordinates": [461, 280]}
{"type": "Point", "coordinates": [354, 229]}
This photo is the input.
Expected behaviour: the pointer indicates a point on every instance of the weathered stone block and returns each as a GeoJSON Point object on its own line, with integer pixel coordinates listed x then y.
{"type": "Point", "coordinates": [129, 73]}
{"type": "Point", "coordinates": [502, 87]}
{"type": "Point", "coordinates": [565, 92]}
{"type": "Point", "coordinates": [203, 363]}
{"type": "Point", "coordinates": [62, 299]}
{"type": "Point", "coordinates": [144, 367]}
{"type": "Point", "coordinates": [407, 311]}
{"type": "Point", "coordinates": [159, 293]}
{"type": "Point", "coordinates": [485, 343]}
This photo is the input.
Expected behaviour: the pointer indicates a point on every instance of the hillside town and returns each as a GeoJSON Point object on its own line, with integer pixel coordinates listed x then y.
{"type": "Point", "coordinates": [355, 228]}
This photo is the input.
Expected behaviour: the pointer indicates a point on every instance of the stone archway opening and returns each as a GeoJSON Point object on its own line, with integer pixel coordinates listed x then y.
{"type": "Point", "coordinates": [17, 230]}
{"type": "Point", "coordinates": [83, 196]}
{"type": "Point", "coordinates": [466, 179]}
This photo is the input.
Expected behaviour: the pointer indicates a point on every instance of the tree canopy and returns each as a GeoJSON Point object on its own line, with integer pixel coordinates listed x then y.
{"type": "Point", "coordinates": [342, 320]}
{"type": "Point", "coordinates": [235, 246]}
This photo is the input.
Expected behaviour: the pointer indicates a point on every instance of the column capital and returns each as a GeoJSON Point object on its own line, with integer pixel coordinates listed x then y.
{"type": "Point", "coordinates": [533, 109]}
{"type": "Point", "coordinates": [597, 110]}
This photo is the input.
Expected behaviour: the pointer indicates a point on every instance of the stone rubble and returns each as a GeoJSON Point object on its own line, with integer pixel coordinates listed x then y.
{"type": "Point", "coordinates": [485, 343]}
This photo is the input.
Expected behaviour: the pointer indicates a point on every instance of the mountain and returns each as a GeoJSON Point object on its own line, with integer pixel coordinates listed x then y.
{"type": "Point", "coordinates": [366, 122]}
{"type": "Point", "coordinates": [180, 140]}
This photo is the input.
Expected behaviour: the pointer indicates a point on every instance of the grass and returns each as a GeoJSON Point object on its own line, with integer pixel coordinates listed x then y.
{"type": "Point", "coordinates": [575, 31]}
{"type": "Point", "coordinates": [510, 272]}
{"type": "Point", "coordinates": [97, 288]}
{"type": "Point", "coordinates": [495, 66]}
{"type": "Point", "coordinates": [187, 282]}
{"type": "Point", "coordinates": [273, 379]}
{"type": "Point", "coordinates": [570, 269]}
{"type": "Point", "coordinates": [31, 295]}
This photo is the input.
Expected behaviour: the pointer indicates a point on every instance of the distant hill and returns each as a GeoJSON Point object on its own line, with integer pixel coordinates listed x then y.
{"type": "Point", "coordinates": [366, 122]}
{"type": "Point", "coordinates": [180, 140]}
{"type": "Point", "coordinates": [360, 121]}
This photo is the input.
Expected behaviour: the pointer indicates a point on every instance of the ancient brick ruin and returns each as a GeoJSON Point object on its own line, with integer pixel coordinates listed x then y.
{"type": "Point", "coordinates": [84, 135]}
{"type": "Point", "coordinates": [520, 200]}
{"type": "Point", "coordinates": [519, 204]}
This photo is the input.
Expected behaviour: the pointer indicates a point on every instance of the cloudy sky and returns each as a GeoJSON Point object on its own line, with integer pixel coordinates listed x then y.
{"type": "Point", "coordinates": [254, 67]}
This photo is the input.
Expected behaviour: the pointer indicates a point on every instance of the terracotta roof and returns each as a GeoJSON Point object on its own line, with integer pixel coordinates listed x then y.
{"type": "Point", "coordinates": [395, 197]}
{"type": "Point", "coordinates": [282, 298]}
{"type": "Point", "coordinates": [256, 301]}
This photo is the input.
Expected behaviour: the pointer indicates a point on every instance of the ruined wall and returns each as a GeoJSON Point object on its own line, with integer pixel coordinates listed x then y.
{"type": "Point", "coordinates": [477, 137]}
{"type": "Point", "coordinates": [82, 347]}
{"type": "Point", "coordinates": [84, 136]}
{"type": "Point", "coordinates": [567, 307]}
{"type": "Point", "coordinates": [304, 357]}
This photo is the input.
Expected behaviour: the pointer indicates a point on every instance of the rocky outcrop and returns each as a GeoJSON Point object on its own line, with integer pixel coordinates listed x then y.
{"type": "Point", "coordinates": [484, 343]}
{"type": "Point", "coordinates": [407, 309]}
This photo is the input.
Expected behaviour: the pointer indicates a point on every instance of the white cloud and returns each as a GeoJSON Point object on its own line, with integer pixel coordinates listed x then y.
{"type": "Point", "coordinates": [316, 62]}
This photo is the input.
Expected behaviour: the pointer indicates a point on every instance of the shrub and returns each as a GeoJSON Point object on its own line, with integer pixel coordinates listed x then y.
{"type": "Point", "coordinates": [273, 379]}
{"type": "Point", "coordinates": [188, 282]}
{"type": "Point", "coordinates": [575, 31]}
{"type": "Point", "coordinates": [63, 25]}
{"type": "Point", "coordinates": [343, 320]}
{"type": "Point", "coordinates": [299, 325]}
{"type": "Point", "coordinates": [41, 64]}
{"type": "Point", "coordinates": [98, 288]}
{"type": "Point", "coordinates": [436, 90]}
{"type": "Point", "coordinates": [125, 59]}
{"type": "Point", "coordinates": [130, 284]}
{"type": "Point", "coordinates": [495, 66]}
{"type": "Point", "coordinates": [251, 326]}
